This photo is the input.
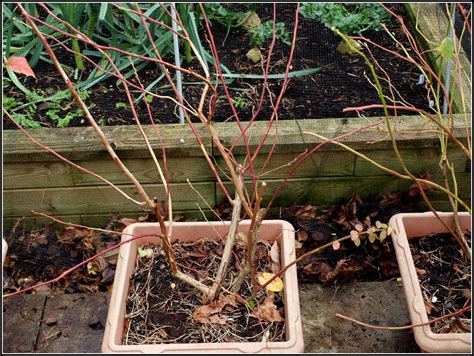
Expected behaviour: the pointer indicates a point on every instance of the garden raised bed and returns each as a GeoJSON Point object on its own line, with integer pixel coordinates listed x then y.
{"type": "Point", "coordinates": [35, 180]}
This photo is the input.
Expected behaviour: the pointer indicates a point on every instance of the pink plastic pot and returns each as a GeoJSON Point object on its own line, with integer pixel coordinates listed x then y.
{"type": "Point", "coordinates": [4, 250]}
{"type": "Point", "coordinates": [271, 230]}
{"type": "Point", "coordinates": [412, 225]}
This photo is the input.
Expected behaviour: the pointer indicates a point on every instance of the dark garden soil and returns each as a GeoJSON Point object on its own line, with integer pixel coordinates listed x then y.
{"type": "Point", "coordinates": [340, 83]}
{"type": "Point", "coordinates": [159, 301]}
{"type": "Point", "coordinates": [445, 279]}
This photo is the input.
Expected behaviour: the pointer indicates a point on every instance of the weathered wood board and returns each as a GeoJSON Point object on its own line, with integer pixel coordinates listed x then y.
{"type": "Point", "coordinates": [39, 181]}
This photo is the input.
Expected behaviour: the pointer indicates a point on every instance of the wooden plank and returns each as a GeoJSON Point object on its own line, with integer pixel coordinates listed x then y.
{"type": "Point", "coordinates": [81, 143]}
{"type": "Point", "coordinates": [329, 190]}
{"type": "Point", "coordinates": [318, 164]}
{"type": "Point", "coordinates": [432, 22]}
{"type": "Point", "coordinates": [29, 221]}
{"type": "Point", "coordinates": [101, 220]}
{"type": "Point", "coordinates": [79, 317]}
{"type": "Point", "coordinates": [37, 175]}
{"type": "Point", "coordinates": [98, 199]}
{"type": "Point", "coordinates": [416, 160]}
{"type": "Point", "coordinates": [78, 143]}
{"type": "Point", "coordinates": [442, 205]}
{"type": "Point", "coordinates": [21, 320]}
{"type": "Point", "coordinates": [409, 131]}
{"type": "Point", "coordinates": [195, 169]}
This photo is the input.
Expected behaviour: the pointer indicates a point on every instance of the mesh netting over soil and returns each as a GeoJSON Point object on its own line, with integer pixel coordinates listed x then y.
{"type": "Point", "coordinates": [342, 81]}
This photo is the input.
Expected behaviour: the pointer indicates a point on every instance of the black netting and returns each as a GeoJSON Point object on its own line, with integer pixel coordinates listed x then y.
{"type": "Point", "coordinates": [343, 80]}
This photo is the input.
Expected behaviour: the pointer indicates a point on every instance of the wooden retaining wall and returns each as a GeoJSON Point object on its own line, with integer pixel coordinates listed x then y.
{"type": "Point", "coordinates": [36, 180]}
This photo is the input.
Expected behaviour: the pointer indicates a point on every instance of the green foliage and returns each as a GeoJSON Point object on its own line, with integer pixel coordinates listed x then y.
{"type": "Point", "coordinates": [446, 49]}
{"type": "Point", "coordinates": [261, 34]}
{"type": "Point", "coordinates": [104, 23]}
{"type": "Point", "coordinates": [219, 13]}
{"type": "Point", "coordinates": [9, 103]}
{"type": "Point", "coordinates": [63, 120]}
{"type": "Point", "coordinates": [234, 19]}
{"type": "Point", "coordinates": [58, 108]}
{"type": "Point", "coordinates": [360, 18]}
{"type": "Point", "coordinates": [240, 103]}
{"type": "Point", "coordinates": [121, 105]}
{"type": "Point", "coordinates": [25, 121]}
{"type": "Point", "coordinates": [149, 98]}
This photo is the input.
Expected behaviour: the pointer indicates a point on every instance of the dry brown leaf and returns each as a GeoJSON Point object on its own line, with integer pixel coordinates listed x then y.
{"type": "Point", "coordinates": [428, 308]}
{"type": "Point", "coordinates": [211, 313]}
{"type": "Point", "coordinates": [420, 271]}
{"type": "Point", "coordinates": [127, 221]}
{"type": "Point", "coordinates": [301, 235]}
{"type": "Point", "coordinates": [275, 256]}
{"type": "Point", "coordinates": [306, 211]}
{"type": "Point", "coordinates": [267, 311]}
{"type": "Point", "coordinates": [343, 269]}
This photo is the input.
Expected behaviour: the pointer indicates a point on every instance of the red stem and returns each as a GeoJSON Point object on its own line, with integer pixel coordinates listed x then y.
{"type": "Point", "coordinates": [376, 327]}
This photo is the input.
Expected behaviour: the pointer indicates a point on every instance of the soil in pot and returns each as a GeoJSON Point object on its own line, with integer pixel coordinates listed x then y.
{"type": "Point", "coordinates": [162, 309]}
{"type": "Point", "coordinates": [445, 280]}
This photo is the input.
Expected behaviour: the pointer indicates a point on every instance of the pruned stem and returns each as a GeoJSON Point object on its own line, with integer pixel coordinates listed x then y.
{"type": "Point", "coordinates": [229, 244]}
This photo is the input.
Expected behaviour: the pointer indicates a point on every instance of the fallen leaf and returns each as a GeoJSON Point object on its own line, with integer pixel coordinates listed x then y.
{"type": "Point", "coordinates": [252, 21]}
{"type": "Point", "coordinates": [127, 221]}
{"type": "Point", "coordinates": [44, 289]}
{"type": "Point", "coordinates": [20, 65]}
{"type": "Point", "coordinates": [420, 271]}
{"type": "Point", "coordinates": [275, 256]}
{"type": "Point", "coordinates": [343, 268]}
{"type": "Point", "coordinates": [254, 55]}
{"type": "Point", "coordinates": [428, 308]}
{"type": "Point", "coordinates": [210, 313]}
{"type": "Point", "coordinates": [268, 311]}
{"type": "Point", "coordinates": [275, 286]}
{"type": "Point", "coordinates": [301, 235]}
